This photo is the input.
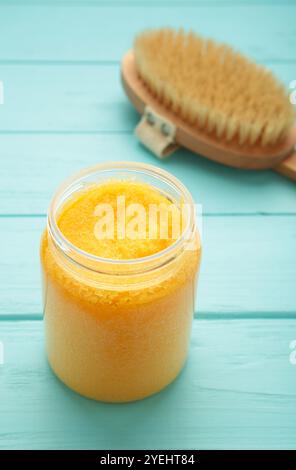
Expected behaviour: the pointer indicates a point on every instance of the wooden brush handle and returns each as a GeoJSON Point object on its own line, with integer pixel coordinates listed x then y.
{"type": "Point", "coordinates": [287, 167]}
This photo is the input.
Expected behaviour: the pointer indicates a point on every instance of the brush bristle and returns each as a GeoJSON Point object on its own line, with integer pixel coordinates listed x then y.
{"type": "Point", "coordinates": [214, 88]}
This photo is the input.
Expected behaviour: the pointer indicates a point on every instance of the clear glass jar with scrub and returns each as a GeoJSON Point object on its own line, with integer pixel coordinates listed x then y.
{"type": "Point", "coordinates": [118, 309]}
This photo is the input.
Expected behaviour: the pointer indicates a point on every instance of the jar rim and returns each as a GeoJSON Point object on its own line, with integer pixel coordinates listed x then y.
{"type": "Point", "coordinates": [159, 174]}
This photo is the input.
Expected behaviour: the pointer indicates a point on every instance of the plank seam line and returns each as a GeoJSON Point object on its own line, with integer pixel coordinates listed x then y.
{"type": "Point", "coordinates": [205, 214]}
{"type": "Point", "coordinates": [146, 4]}
{"type": "Point", "coordinates": [14, 317]}
{"type": "Point", "coordinates": [65, 132]}
{"type": "Point", "coordinates": [110, 63]}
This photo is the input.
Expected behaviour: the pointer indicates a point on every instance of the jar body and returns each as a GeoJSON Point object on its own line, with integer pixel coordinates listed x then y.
{"type": "Point", "coordinates": [118, 330]}
{"type": "Point", "coordinates": [117, 346]}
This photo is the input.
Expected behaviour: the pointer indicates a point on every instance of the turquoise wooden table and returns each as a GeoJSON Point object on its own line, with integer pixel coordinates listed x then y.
{"type": "Point", "coordinates": [64, 109]}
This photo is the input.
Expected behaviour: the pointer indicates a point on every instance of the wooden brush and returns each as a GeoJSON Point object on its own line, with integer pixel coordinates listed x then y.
{"type": "Point", "coordinates": [204, 96]}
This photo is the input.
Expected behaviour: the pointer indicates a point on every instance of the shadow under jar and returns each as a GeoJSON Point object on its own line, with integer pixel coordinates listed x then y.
{"type": "Point", "coordinates": [118, 330]}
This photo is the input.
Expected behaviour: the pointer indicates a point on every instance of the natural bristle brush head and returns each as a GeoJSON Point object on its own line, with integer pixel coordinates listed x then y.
{"type": "Point", "coordinates": [213, 88]}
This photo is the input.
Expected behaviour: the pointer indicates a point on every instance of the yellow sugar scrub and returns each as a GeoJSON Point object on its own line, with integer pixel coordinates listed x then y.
{"type": "Point", "coordinates": [119, 257]}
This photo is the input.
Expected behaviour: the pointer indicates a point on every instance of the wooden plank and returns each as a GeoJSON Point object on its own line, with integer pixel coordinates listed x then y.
{"type": "Point", "coordinates": [88, 98]}
{"type": "Point", "coordinates": [237, 391]}
{"type": "Point", "coordinates": [33, 166]}
{"type": "Point", "coordinates": [248, 267]}
{"type": "Point", "coordinates": [104, 32]}
{"type": "Point", "coordinates": [64, 99]}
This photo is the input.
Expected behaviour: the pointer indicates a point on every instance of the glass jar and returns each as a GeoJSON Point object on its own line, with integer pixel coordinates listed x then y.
{"type": "Point", "coordinates": [118, 330]}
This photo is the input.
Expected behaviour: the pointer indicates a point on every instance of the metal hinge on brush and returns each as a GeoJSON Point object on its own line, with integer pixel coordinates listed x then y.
{"type": "Point", "coordinates": [156, 133]}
